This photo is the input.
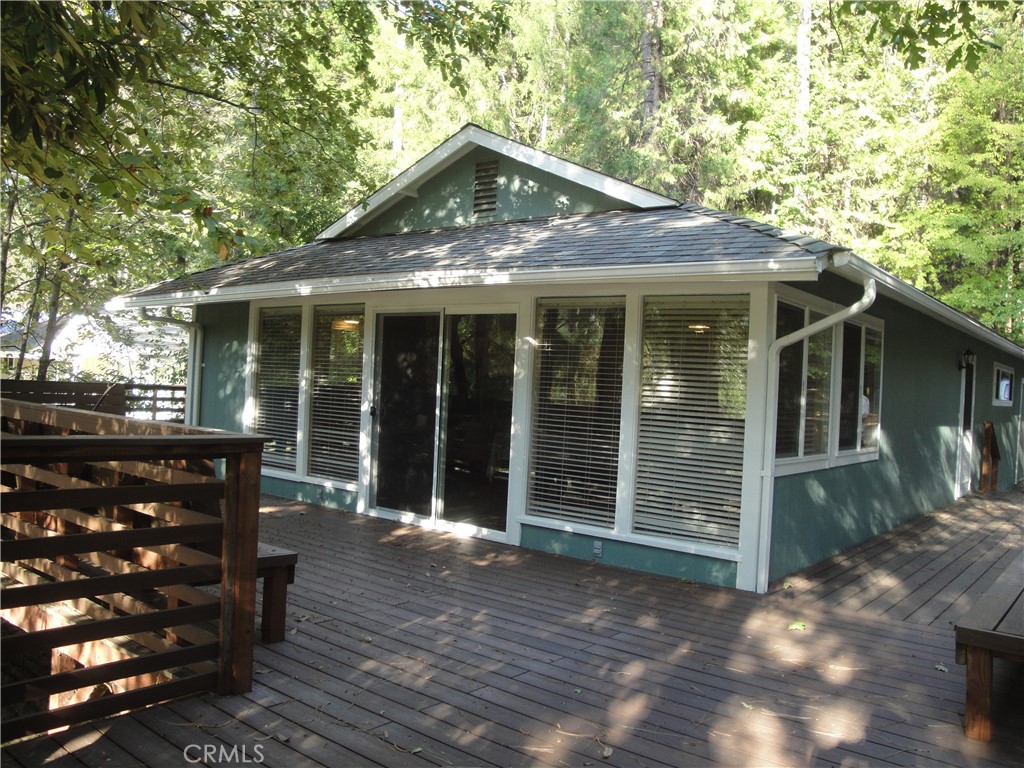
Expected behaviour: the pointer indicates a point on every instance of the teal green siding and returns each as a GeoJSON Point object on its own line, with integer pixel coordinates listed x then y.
{"type": "Point", "coordinates": [524, 192]}
{"type": "Point", "coordinates": [311, 493]}
{"type": "Point", "coordinates": [628, 555]}
{"type": "Point", "coordinates": [817, 514]}
{"type": "Point", "coordinates": [222, 383]}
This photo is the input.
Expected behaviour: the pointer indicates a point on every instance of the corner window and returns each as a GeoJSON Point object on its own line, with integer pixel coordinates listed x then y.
{"type": "Point", "coordinates": [861, 377]}
{"type": "Point", "coordinates": [1003, 394]}
{"type": "Point", "coordinates": [693, 407]}
{"type": "Point", "coordinates": [829, 395]}
{"type": "Point", "coordinates": [805, 375]}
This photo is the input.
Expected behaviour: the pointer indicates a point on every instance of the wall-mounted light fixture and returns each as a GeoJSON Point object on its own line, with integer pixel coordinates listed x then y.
{"type": "Point", "coordinates": [968, 358]}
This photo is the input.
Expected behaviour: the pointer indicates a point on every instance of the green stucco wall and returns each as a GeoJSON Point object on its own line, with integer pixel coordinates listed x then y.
{"type": "Point", "coordinates": [817, 514]}
{"type": "Point", "coordinates": [524, 192]}
{"type": "Point", "coordinates": [628, 555]}
{"type": "Point", "coordinates": [222, 385]}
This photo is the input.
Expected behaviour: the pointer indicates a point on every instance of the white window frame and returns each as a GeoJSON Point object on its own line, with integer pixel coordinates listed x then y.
{"type": "Point", "coordinates": [301, 472]}
{"type": "Point", "coordinates": [760, 309]}
{"type": "Point", "coordinates": [834, 457]}
{"type": "Point", "coordinates": [702, 506]}
{"type": "Point", "coordinates": [531, 512]}
{"type": "Point", "coordinates": [999, 368]}
{"type": "Point", "coordinates": [309, 341]}
{"type": "Point", "coordinates": [808, 304]}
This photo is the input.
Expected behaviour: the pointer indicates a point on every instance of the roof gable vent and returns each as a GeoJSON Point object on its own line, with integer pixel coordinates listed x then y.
{"type": "Point", "coordinates": [485, 189]}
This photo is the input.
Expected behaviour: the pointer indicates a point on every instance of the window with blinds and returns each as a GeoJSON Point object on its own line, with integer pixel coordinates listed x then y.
{"type": "Point", "coordinates": [692, 417]}
{"type": "Point", "coordinates": [574, 456]}
{"type": "Point", "coordinates": [336, 392]}
{"type": "Point", "coordinates": [277, 383]}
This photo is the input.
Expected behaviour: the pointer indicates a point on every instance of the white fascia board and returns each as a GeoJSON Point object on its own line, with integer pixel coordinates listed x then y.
{"type": "Point", "coordinates": [851, 266]}
{"type": "Point", "coordinates": [762, 270]}
{"type": "Point", "coordinates": [470, 137]}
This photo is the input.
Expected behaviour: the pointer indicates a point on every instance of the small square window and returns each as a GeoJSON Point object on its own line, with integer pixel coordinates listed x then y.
{"type": "Point", "coordinates": [1003, 392]}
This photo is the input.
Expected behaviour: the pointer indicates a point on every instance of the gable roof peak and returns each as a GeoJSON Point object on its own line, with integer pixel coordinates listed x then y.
{"type": "Point", "coordinates": [471, 136]}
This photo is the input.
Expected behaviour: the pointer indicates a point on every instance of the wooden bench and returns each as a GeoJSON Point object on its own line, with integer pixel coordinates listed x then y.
{"type": "Point", "coordinates": [276, 567]}
{"type": "Point", "coordinates": [993, 627]}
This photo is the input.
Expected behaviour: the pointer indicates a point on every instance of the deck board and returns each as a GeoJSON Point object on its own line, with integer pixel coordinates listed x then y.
{"type": "Point", "coordinates": [407, 647]}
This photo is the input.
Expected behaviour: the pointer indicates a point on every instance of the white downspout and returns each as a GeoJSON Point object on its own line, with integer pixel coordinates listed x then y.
{"type": "Point", "coordinates": [194, 367]}
{"type": "Point", "coordinates": [771, 409]}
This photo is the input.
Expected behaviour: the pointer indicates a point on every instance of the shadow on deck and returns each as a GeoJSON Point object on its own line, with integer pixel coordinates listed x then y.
{"type": "Point", "coordinates": [407, 647]}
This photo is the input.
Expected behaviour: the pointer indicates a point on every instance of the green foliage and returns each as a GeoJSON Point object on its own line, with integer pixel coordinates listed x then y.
{"type": "Point", "coordinates": [913, 29]}
{"type": "Point", "coordinates": [963, 238]}
{"type": "Point", "coordinates": [143, 140]}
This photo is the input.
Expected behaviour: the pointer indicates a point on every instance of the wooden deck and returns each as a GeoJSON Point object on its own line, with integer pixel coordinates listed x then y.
{"type": "Point", "coordinates": [408, 648]}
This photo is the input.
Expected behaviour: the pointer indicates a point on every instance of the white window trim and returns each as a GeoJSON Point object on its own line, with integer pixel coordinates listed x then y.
{"type": "Point", "coordinates": [998, 368]}
{"type": "Point", "coordinates": [835, 457]}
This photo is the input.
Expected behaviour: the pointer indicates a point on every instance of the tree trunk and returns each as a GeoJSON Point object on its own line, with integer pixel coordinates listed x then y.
{"type": "Point", "coordinates": [803, 91]}
{"type": "Point", "coordinates": [803, 66]}
{"type": "Point", "coordinates": [650, 65]}
{"type": "Point", "coordinates": [5, 243]}
{"type": "Point", "coordinates": [53, 307]}
{"type": "Point", "coordinates": [30, 321]}
{"type": "Point", "coordinates": [52, 312]}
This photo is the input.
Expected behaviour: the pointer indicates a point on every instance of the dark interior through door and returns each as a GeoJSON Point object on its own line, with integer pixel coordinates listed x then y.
{"type": "Point", "coordinates": [473, 402]}
{"type": "Point", "coordinates": [406, 412]}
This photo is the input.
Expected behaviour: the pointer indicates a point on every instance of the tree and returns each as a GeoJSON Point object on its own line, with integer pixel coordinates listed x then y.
{"type": "Point", "coordinates": [912, 30]}
{"type": "Point", "coordinates": [139, 136]}
{"type": "Point", "coordinates": [962, 238]}
{"type": "Point", "coordinates": [84, 84]}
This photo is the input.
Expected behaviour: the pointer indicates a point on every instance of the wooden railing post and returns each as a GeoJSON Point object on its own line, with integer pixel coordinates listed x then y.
{"type": "Point", "coordinates": [238, 577]}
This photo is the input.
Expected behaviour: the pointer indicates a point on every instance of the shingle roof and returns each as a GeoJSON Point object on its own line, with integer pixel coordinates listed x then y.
{"type": "Point", "coordinates": [683, 235]}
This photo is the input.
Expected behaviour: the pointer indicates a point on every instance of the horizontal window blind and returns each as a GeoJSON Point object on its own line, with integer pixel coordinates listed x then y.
{"type": "Point", "coordinates": [277, 383]}
{"type": "Point", "coordinates": [574, 454]}
{"type": "Point", "coordinates": [336, 392]}
{"type": "Point", "coordinates": [692, 413]}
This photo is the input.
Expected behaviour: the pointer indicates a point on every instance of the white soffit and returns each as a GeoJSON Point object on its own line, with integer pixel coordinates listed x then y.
{"type": "Point", "coordinates": [461, 144]}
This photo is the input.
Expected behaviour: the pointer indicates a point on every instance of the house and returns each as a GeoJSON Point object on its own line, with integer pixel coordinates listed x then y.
{"type": "Point", "coordinates": [503, 343]}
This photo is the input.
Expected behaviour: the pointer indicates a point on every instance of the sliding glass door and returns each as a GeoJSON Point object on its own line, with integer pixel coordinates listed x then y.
{"type": "Point", "coordinates": [443, 416]}
{"type": "Point", "coordinates": [405, 412]}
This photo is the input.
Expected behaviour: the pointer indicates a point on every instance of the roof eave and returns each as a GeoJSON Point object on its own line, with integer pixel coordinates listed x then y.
{"type": "Point", "coordinates": [803, 268]}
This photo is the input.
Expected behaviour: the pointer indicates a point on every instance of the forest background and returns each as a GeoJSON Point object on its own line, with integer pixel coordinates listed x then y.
{"type": "Point", "coordinates": [143, 141]}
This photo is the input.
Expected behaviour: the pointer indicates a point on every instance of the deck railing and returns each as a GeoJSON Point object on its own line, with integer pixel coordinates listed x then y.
{"type": "Point", "coordinates": [113, 529]}
{"type": "Point", "coordinates": [161, 402]}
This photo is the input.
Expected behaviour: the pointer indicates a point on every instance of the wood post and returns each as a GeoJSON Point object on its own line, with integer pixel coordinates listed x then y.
{"type": "Point", "coordinates": [989, 459]}
{"type": "Point", "coordinates": [238, 575]}
{"type": "Point", "coordinates": [978, 712]}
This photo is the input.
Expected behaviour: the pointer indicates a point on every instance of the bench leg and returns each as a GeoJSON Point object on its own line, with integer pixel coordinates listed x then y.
{"type": "Point", "coordinates": [979, 694]}
{"type": "Point", "coordinates": [275, 604]}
